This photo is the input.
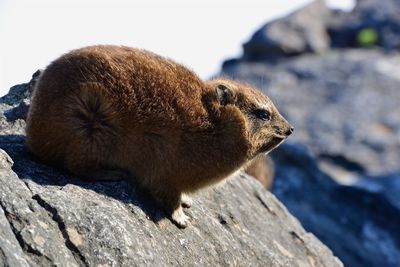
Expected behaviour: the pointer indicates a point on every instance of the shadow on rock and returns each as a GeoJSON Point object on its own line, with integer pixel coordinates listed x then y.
{"type": "Point", "coordinates": [359, 222]}
{"type": "Point", "coordinates": [28, 167]}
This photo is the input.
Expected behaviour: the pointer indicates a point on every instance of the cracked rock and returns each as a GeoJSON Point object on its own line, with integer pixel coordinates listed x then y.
{"type": "Point", "coordinates": [5, 161]}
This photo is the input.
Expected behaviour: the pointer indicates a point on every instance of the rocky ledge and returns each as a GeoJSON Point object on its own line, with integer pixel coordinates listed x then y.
{"type": "Point", "coordinates": [48, 218]}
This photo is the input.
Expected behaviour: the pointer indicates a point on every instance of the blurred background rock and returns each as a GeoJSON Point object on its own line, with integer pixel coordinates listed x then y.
{"type": "Point", "coordinates": [335, 75]}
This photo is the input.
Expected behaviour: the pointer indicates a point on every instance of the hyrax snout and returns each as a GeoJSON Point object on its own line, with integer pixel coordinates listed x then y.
{"type": "Point", "coordinates": [101, 109]}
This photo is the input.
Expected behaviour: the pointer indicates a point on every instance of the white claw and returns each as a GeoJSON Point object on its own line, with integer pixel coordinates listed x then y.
{"type": "Point", "coordinates": [180, 218]}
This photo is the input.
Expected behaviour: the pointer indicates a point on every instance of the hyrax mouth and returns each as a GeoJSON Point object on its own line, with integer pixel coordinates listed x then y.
{"type": "Point", "coordinates": [274, 143]}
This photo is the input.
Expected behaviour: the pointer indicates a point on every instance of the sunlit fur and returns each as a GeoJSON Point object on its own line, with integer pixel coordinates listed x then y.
{"type": "Point", "coordinates": [104, 108]}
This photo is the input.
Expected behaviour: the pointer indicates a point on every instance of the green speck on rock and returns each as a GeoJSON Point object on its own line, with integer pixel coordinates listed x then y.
{"type": "Point", "coordinates": [367, 37]}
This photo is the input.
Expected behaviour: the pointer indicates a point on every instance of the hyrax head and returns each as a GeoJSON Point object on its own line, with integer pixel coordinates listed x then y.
{"type": "Point", "coordinates": [265, 127]}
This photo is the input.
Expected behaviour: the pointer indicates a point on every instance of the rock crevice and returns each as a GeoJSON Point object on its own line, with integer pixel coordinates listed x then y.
{"type": "Point", "coordinates": [53, 213]}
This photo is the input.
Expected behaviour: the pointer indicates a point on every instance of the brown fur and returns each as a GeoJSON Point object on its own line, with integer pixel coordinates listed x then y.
{"type": "Point", "coordinates": [105, 108]}
{"type": "Point", "coordinates": [261, 168]}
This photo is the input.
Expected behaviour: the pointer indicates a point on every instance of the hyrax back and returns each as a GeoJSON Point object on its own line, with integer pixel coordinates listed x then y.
{"type": "Point", "coordinates": [105, 108]}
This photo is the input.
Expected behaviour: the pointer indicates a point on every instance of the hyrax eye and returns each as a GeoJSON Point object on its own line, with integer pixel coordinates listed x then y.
{"type": "Point", "coordinates": [262, 114]}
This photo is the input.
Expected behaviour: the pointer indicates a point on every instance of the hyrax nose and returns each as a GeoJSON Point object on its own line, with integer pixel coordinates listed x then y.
{"type": "Point", "coordinates": [289, 131]}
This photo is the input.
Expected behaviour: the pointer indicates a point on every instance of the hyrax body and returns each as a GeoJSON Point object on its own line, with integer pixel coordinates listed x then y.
{"type": "Point", "coordinates": [105, 108]}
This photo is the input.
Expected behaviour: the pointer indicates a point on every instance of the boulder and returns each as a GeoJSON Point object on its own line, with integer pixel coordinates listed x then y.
{"type": "Point", "coordinates": [315, 28]}
{"type": "Point", "coordinates": [50, 218]}
{"type": "Point", "coordinates": [300, 32]}
{"type": "Point", "coordinates": [360, 223]}
{"type": "Point", "coordinates": [380, 18]}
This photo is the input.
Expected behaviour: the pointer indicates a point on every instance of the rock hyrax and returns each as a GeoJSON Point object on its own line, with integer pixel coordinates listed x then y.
{"type": "Point", "coordinates": [104, 108]}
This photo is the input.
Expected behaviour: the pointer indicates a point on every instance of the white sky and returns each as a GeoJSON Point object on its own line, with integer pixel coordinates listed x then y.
{"type": "Point", "coordinates": [199, 34]}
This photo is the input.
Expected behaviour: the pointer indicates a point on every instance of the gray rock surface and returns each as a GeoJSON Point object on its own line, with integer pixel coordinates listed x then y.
{"type": "Point", "coordinates": [360, 223]}
{"type": "Point", "coordinates": [380, 16]}
{"type": "Point", "coordinates": [48, 218]}
{"type": "Point", "coordinates": [316, 29]}
{"type": "Point", "coordinates": [301, 32]}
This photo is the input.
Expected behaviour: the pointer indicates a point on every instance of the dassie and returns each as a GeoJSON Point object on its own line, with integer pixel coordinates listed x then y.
{"type": "Point", "coordinates": [100, 109]}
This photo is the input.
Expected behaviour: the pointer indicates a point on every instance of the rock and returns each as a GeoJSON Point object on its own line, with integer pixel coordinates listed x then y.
{"type": "Point", "coordinates": [21, 92]}
{"type": "Point", "coordinates": [315, 29]}
{"type": "Point", "coordinates": [360, 223]}
{"type": "Point", "coordinates": [49, 218]}
{"type": "Point", "coordinates": [343, 104]}
{"type": "Point", "coordinates": [11, 252]}
{"type": "Point", "coordinates": [380, 17]}
{"type": "Point", "coordinates": [387, 186]}
{"type": "Point", "coordinates": [5, 161]}
{"type": "Point", "coordinates": [14, 107]}
{"type": "Point", "coordinates": [300, 32]}
{"type": "Point", "coordinates": [18, 112]}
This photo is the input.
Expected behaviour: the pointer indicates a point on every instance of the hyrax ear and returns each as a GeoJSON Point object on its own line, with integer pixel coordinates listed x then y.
{"type": "Point", "coordinates": [225, 95]}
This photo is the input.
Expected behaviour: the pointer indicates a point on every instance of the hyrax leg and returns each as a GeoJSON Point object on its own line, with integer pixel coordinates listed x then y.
{"type": "Point", "coordinates": [171, 201]}
{"type": "Point", "coordinates": [180, 218]}
{"type": "Point", "coordinates": [186, 201]}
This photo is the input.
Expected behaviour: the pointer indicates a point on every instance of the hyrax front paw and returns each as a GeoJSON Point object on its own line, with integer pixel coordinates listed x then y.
{"type": "Point", "coordinates": [186, 201]}
{"type": "Point", "coordinates": [180, 218]}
